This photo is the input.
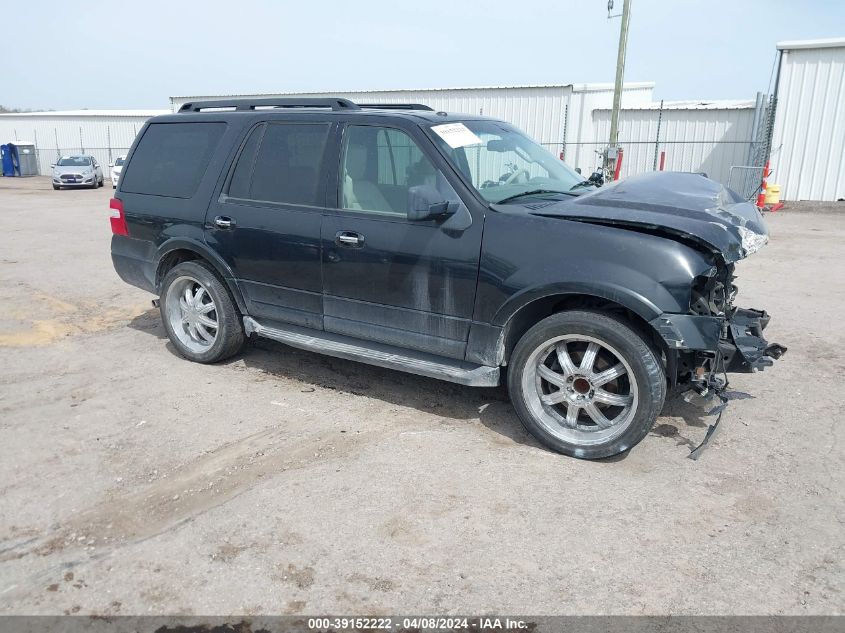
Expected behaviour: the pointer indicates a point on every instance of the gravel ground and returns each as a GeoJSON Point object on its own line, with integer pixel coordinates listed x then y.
{"type": "Point", "coordinates": [134, 482]}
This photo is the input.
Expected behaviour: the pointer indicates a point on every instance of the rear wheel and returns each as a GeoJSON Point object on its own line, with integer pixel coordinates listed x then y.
{"type": "Point", "coordinates": [586, 384]}
{"type": "Point", "coordinates": [199, 314]}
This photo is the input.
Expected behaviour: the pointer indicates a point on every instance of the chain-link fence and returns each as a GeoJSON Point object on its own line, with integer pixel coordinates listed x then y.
{"type": "Point", "coordinates": [104, 155]}
{"type": "Point", "coordinates": [726, 141]}
{"type": "Point", "coordinates": [723, 161]}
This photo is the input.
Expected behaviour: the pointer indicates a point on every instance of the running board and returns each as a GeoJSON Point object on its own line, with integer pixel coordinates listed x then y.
{"type": "Point", "coordinates": [378, 354]}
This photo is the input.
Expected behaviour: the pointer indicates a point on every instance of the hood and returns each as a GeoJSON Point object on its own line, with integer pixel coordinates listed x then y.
{"type": "Point", "coordinates": [70, 169]}
{"type": "Point", "coordinates": [684, 205]}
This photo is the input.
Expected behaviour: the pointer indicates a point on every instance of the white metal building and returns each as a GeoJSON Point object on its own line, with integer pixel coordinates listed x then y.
{"type": "Point", "coordinates": [698, 136]}
{"type": "Point", "coordinates": [555, 114]}
{"type": "Point", "coordinates": [105, 134]}
{"type": "Point", "coordinates": [808, 143]}
{"type": "Point", "coordinates": [808, 148]}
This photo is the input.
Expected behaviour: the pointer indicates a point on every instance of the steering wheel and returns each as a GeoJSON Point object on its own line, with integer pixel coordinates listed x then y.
{"type": "Point", "coordinates": [519, 172]}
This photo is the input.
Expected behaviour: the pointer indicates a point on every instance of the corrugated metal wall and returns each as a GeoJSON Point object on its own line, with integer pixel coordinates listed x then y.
{"type": "Point", "coordinates": [57, 134]}
{"type": "Point", "coordinates": [695, 139]}
{"type": "Point", "coordinates": [537, 110]}
{"type": "Point", "coordinates": [540, 111]}
{"type": "Point", "coordinates": [808, 142]}
{"type": "Point", "coordinates": [582, 137]}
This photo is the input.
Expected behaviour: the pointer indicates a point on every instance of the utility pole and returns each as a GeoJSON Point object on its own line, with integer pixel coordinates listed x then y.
{"type": "Point", "coordinates": [613, 145]}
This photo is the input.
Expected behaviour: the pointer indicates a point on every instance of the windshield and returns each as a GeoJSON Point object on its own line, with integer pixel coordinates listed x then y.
{"type": "Point", "coordinates": [74, 161]}
{"type": "Point", "coordinates": [119, 161]}
{"type": "Point", "coordinates": [502, 163]}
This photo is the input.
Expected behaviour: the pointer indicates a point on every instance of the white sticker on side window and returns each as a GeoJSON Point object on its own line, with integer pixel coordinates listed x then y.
{"type": "Point", "coordinates": [456, 135]}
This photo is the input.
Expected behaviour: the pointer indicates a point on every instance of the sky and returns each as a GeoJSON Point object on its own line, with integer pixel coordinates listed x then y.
{"type": "Point", "coordinates": [138, 54]}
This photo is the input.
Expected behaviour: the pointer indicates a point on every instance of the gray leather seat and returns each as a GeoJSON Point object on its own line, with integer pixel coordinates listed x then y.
{"type": "Point", "coordinates": [359, 193]}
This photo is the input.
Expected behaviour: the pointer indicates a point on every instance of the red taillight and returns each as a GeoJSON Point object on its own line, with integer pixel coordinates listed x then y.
{"type": "Point", "coordinates": [118, 220]}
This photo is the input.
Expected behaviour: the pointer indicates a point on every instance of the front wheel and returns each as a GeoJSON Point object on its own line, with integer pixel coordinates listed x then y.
{"type": "Point", "coordinates": [199, 314]}
{"type": "Point", "coordinates": [586, 384]}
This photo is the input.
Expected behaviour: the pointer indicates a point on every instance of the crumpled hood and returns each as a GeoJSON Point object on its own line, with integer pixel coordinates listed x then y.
{"type": "Point", "coordinates": [686, 205]}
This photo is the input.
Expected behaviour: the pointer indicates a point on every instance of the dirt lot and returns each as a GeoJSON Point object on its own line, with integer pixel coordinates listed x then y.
{"type": "Point", "coordinates": [134, 482]}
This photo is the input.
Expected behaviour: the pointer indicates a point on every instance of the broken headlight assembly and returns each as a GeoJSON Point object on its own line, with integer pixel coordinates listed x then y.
{"type": "Point", "coordinates": [751, 241]}
{"type": "Point", "coordinates": [713, 293]}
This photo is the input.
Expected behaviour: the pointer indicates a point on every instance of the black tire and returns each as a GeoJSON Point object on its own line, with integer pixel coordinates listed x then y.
{"type": "Point", "coordinates": [649, 384]}
{"type": "Point", "coordinates": [230, 336]}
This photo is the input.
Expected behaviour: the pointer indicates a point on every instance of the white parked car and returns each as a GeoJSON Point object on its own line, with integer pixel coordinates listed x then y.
{"type": "Point", "coordinates": [81, 170]}
{"type": "Point", "coordinates": [116, 168]}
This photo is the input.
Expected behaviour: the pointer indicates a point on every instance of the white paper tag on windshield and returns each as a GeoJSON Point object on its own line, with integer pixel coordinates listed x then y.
{"type": "Point", "coordinates": [456, 135]}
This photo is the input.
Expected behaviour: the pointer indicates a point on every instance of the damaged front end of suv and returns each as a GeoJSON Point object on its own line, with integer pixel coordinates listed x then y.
{"type": "Point", "coordinates": [715, 337]}
{"type": "Point", "coordinates": [732, 338]}
{"type": "Point", "coordinates": [741, 346]}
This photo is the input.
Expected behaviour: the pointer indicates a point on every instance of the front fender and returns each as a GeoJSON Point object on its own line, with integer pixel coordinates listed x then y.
{"type": "Point", "coordinates": [525, 258]}
{"type": "Point", "coordinates": [621, 295]}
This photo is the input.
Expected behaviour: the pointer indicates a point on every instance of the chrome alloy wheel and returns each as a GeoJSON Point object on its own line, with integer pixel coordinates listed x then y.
{"type": "Point", "coordinates": [580, 389]}
{"type": "Point", "coordinates": [192, 314]}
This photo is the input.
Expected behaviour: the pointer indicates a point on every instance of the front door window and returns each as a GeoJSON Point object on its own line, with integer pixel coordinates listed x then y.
{"type": "Point", "coordinates": [381, 167]}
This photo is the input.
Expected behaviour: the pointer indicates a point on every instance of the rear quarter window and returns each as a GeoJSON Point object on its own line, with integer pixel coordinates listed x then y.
{"type": "Point", "coordinates": [171, 159]}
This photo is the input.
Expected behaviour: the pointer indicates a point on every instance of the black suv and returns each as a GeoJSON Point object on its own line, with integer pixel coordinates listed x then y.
{"type": "Point", "coordinates": [450, 246]}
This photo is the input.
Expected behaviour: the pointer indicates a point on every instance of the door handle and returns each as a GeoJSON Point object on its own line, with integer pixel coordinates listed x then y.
{"type": "Point", "coordinates": [224, 222]}
{"type": "Point", "coordinates": [349, 238]}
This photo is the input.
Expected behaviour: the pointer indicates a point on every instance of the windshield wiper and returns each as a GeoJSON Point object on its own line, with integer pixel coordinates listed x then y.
{"type": "Point", "coordinates": [533, 192]}
{"type": "Point", "coordinates": [583, 183]}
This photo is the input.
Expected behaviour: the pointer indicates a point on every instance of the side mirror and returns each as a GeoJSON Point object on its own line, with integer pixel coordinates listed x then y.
{"type": "Point", "coordinates": [52, 165]}
{"type": "Point", "coordinates": [426, 203]}
{"type": "Point", "coordinates": [577, 170]}
{"type": "Point", "coordinates": [111, 164]}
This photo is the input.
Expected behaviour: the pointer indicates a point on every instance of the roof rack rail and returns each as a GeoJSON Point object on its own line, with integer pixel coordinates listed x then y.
{"type": "Point", "coordinates": [396, 106]}
{"type": "Point", "coordinates": [245, 105]}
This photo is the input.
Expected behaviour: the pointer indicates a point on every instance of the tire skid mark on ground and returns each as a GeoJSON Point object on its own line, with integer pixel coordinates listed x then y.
{"type": "Point", "coordinates": [202, 485]}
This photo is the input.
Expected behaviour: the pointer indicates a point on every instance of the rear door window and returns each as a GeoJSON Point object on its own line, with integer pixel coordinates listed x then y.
{"type": "Point", "coordinates": [242, 174]}
{"type": "Point", "coordinates": [282, 162]}
{"type": "Point", "coordinates": [171, 159]}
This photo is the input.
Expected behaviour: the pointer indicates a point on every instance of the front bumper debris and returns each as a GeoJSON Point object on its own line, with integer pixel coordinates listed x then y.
{"type": "Point", "coordinates": [732, 344]}
{"type": "Point", "coordinates": [741, 349]}
{"type": "Point", "coordinates": [745, 349]}
{"type": "Point", "coordinates": [716, 394]}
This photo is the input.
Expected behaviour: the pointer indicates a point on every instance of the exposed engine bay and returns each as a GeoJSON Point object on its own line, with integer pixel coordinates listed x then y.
{"type": "Point", "coordinates": [742, 347]}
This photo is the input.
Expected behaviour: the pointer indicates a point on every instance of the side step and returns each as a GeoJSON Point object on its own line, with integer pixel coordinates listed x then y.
{"type": "Point", "coordinates": [376, 354]}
